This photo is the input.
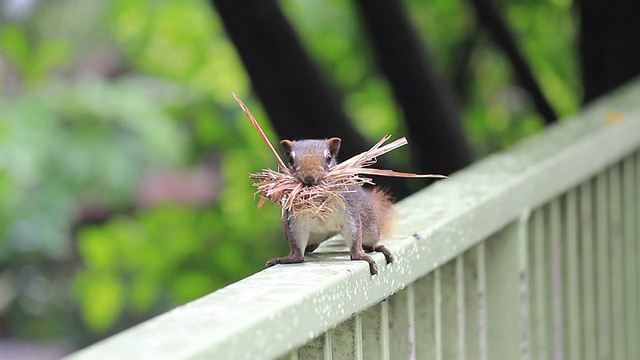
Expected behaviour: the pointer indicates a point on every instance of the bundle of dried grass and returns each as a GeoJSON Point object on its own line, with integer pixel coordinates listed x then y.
{"type": "Point", "coordinates": [320, 200]}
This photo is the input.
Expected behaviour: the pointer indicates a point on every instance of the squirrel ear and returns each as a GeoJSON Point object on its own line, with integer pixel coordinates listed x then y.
{"type": "Point", "coordinates": [334, 146]}
{"type": "Point", "coordinates": [287, 145]}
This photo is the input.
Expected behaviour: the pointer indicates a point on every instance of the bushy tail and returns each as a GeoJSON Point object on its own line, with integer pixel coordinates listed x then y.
{"type": "Point", "coordinates": [384, 208]}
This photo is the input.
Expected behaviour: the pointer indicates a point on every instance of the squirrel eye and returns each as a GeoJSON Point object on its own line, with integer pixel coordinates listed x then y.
{"type": "Point", "coordinates": [290, 160]}
{"type": "Point", "coordinates": [328, 158]}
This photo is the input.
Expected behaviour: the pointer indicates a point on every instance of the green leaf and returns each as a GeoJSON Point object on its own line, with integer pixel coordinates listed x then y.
{"type": "Point", "coordinates": [101, 298]}
{"type": "Point", "coordinates": [14, 44]}
{"type": "Point", "coordinates": [145, 290]}
{"type": "Point", "coordinates": [96, 247]}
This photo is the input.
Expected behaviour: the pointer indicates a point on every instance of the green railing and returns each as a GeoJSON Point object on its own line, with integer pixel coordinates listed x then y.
{"type": "Point", "coordinates": [531, 253]}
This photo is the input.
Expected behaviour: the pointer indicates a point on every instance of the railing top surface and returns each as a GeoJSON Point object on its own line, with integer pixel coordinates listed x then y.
{"type": "Point", "coordinates": [283, 307]}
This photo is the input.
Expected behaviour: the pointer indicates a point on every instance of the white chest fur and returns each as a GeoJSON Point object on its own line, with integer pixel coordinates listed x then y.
{"type": "Point", "coordinates": [317, 230]}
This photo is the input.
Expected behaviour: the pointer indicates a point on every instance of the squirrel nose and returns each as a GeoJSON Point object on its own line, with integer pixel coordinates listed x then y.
{"type": "Point", "coordinates": [309, 180]}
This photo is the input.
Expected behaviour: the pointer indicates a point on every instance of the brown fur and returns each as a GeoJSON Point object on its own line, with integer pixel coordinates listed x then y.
{"type": "Point", "coordinates": [384, 208]}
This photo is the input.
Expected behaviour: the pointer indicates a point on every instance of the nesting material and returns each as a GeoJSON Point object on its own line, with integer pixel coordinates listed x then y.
{"type": "Point", "coordinates": [321, 200]}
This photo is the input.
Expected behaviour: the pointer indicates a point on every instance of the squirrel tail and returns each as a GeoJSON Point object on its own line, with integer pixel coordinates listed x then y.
{"type": "Point", "coordinates": [383, 206]}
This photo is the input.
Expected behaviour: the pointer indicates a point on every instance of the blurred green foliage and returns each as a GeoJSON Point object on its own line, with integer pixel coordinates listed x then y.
{"type": "Point", "coordinates": [98, 94]}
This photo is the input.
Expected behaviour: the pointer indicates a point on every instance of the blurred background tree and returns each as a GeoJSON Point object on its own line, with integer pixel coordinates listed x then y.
{"type": "Point", "coordinates": [124, 159]}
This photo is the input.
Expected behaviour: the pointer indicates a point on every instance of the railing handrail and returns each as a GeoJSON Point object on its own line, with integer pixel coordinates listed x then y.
{"type": "Point", "coordinates": [279, 309]}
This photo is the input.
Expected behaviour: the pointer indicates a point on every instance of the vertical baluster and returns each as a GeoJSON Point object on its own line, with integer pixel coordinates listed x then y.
{"type": "Point", "coordinates": [411, 314]}
{"type": "Point", "coordinates": [555, 231]}
{"type": "Point", "coordinates": [523, 279]}
{"type": "Point", "coordinates": [538, 287]}
{"type": "Point", "coordinates": [588, 271]}
{"type": "Point", "coordinates": [503, 294]}
{"type": "Point", "coordinates": [328, 346]}
{"type": "Point", "coordinates": [425, 337]}
{"type": "Point", "coordinates": [375, 333]}
{"type": "Point", "coordinates": [472, 304]}
{"type": "Point", "coordinates": [603, 289]}
{"type": "Point", "coordinates": [399, 346]}
{"type": "Point", "coordinates": [482, 302]}
{"type": "Point", "coordinates": [631, 238]}
{"type": "Point", "coordinates": [345, 340]}
{"type": "Point", "coordinates": [447, 321]}
{"type": "Point", "coordinates": [460, 307]}
{"type": "Point", "coordinates": [385, 330]}
{"type": "Point", "coordinates": [617, 263]}
{"type": "Point", "coordinates": [572, 303]}
{"type": "Point", "coordinates": [358, 337]}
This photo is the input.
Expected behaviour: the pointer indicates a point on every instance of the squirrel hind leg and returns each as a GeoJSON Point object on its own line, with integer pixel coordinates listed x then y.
{"type": "Point", "coordinates": [361, 255]}
{"type": "Point", "coordinates": [386, 252]}
{"type": "Point", "coordinates": [381, 249]}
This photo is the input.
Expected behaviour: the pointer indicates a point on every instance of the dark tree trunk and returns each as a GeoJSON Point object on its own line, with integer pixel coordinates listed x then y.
{"type": "Point", "coordinates": [430, 110]}
{"type": "Point", "coordinates": [497, 26]}
{"type": "Point", "coordinates": [299, 101]}
{"type": "Point", "coordinates": [609, 44]}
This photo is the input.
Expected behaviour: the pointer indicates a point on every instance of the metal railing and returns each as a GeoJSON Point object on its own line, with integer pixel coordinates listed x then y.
{"type": "Point", "coordinates": [532, 253]}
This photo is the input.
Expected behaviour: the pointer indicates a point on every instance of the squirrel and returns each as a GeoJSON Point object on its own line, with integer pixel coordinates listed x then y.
{"type": "Point", "coordinates": [366, 214]}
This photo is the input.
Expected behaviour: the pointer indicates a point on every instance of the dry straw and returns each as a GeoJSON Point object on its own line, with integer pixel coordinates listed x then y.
{"type": "Point", "coordinates": [320, 200]}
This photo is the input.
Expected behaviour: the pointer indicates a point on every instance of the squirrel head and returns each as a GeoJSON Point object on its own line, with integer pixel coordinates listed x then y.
{"type": "Point", "coordinates": [309, 160]}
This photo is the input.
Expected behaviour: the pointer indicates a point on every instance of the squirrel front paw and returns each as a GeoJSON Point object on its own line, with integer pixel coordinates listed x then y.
{"type": "Point", "coordinates": [284, 260]}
